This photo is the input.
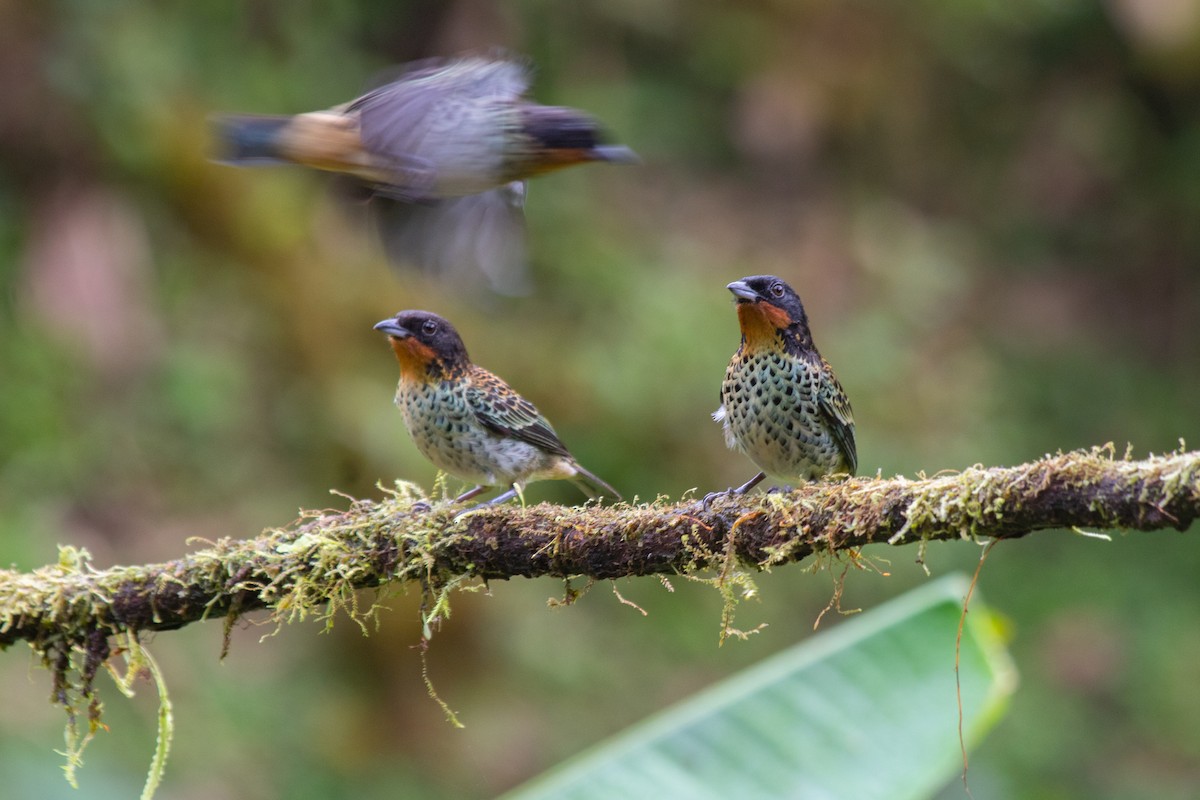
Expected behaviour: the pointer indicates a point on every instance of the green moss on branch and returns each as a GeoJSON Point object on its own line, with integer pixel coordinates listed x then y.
{"type": "Point", "coordinates": [315, 566]}
{"type": "Point", "coordinates": [76, 617]}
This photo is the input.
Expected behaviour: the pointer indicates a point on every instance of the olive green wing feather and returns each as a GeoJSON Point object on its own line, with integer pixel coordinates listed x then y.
{"type": "Point", "coordinates": [501, 410]}
{"type": "Point", "coordinates": [835, 408]}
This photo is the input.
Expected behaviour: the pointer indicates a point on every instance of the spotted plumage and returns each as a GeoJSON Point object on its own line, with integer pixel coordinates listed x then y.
{"type": "Point", "coordinates": [781, 404]}
{"type": "Point", "coordinates": [470, 423]}
{"type": "Point", "coordinates": [444, 149]}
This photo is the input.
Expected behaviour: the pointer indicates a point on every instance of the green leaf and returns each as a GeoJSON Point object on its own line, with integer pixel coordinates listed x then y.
{"type": "Point", "coordinates": [866, 710]}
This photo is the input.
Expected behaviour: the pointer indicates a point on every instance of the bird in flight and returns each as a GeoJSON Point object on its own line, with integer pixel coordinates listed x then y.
{"type": "Point", "coordinates": [445, 150]}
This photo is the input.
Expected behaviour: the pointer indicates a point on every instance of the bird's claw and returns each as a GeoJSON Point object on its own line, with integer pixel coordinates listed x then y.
{"type": "Point", "coordinates": [706, 503]}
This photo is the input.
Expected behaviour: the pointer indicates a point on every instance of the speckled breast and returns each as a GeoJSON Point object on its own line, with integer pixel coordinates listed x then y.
{"type": "Point", "coordinates": [447, 432]}
{"type": "Point", "coordinates": [772, 416]}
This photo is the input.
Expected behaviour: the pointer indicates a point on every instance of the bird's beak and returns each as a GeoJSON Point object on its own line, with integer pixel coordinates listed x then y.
{"type": "Point", "coordinates": [392, 328]}
{"type": "Point", "coordinates": [615, 154]}
{"type": "Point", "coordinates": [742, 291]}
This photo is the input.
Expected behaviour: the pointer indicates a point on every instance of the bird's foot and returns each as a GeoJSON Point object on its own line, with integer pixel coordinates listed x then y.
{"type": "Point", "coordinates": [707, 502]}
{"type": "Point", "coordinates": [500, 498]}
{"type": "Point", "coordinates": [745, 487]}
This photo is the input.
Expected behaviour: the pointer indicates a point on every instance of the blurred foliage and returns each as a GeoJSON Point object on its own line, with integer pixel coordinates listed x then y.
{"type": "Point", "coordinates": [990, 209]}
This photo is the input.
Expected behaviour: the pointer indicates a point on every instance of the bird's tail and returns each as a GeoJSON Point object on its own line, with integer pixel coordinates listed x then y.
{"type": "Point", "coordinates": [593, 486]}
{"type": "Point", "coordinates": [249, 139]}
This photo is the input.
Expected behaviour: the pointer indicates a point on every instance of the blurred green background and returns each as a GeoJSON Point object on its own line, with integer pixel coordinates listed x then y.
{"type": "Point", "coordinates": [992, 210]}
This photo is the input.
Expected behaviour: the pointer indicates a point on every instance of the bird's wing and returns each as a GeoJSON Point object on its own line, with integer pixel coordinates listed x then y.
{"type": "Point", "coordinates": [473, 77]}
{"type": "Point", "coordinates": [406, 121]}
{"type": "Point", "coordinates": [501, 410]}
{"type": "Point", "coordinates": [498, 75]}
{"type": "Point", "coordinates": [835, 407]}
{"type": "Point", "coordinates": [459, 238]}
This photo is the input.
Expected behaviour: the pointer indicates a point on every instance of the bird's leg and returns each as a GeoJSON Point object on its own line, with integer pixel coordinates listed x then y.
{"type": "Point", "coordinates": [750, 484]}
{"type": "Point", "coordinates": [500, 498]}
{"type": "Point", "coordinates": [467, 495]}
{"type": "Point", "coordinates": [745, 487]}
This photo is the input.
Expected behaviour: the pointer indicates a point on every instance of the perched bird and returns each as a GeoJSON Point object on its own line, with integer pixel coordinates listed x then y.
{"type": "Point", "coordinates": [470, 423]}
{"type": "Point", "coordinates": [781, 404]}
{"type": "Point", "coordinates": [445, 149]}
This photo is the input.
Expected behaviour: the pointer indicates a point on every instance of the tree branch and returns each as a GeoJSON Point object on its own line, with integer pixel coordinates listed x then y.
{"type": "Point", "coordinates": [315, 565]}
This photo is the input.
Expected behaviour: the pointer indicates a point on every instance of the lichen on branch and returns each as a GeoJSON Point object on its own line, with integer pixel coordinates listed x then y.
{"type": "Point", "coordinates": [315, 565]}
{"type": "Point", "coordinates": [76, 617]}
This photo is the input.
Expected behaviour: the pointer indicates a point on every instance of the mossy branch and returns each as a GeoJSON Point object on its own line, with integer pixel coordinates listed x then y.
{"type": "Point", "coordinates": [316, 564]}
{"type": "Point", "coordinates": [79, 619]}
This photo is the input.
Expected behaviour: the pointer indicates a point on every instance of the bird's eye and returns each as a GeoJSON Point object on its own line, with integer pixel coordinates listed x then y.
{"type": "Point", "coordinates": [429, 327]}
{"type": "Point", "coordinates": [777, 290]}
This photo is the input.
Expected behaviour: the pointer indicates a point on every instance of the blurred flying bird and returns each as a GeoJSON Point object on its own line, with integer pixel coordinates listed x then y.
{"type": "Point", "coordinates": [781, 404]}
{"type": "Point", "coordinates": [469, 422]}
{"type": "Point", "coordinates": [445, 150]}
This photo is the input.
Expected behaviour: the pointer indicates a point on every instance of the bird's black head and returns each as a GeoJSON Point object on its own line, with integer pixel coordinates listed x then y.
{"type": "Point", "coordinates": [766, 305]}
{"type": "Point", "coordinates": [424, 343]}
{"type": "Point", "coordinates": [561, 137]}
